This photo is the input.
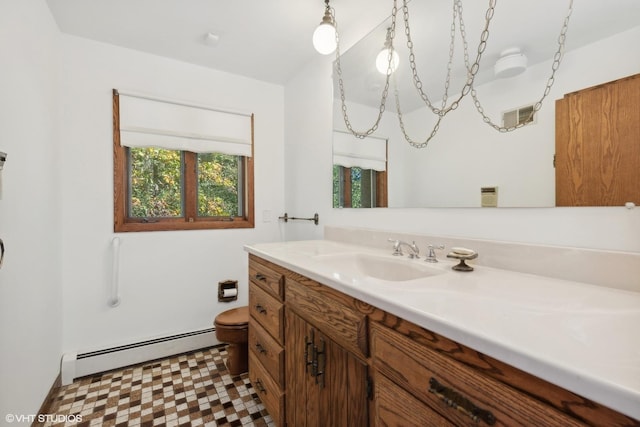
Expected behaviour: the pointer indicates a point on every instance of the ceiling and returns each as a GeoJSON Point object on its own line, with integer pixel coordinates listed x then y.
{"type": "Point", "coordinates": [271, 40]}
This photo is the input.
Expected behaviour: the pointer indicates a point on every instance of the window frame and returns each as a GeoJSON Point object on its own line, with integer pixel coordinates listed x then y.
{"type": "Point", "coordinates": [124, 223]}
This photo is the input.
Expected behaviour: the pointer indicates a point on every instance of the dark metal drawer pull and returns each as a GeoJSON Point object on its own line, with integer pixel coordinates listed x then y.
{"type": "Point", "coordinates": [261, 277]}
{"type": "Point", "coordinates": [260, 309]}
{"type": "Point", "coordinates": [260, 387]}
{"type": "Point", "coordinates": [461, 403]}
{"type": "Point", "coordinates": [260, 348]}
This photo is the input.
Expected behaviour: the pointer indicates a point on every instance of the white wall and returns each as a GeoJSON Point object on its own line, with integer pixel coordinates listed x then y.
{"type": "Point", "coordinates": [168, 280]}
{"type": "Point", "coordinates": [520, 163]}
{"type": "Point", "coordinates": [309, 164]}
{"type": "Point", "coordinates": [30, 286]}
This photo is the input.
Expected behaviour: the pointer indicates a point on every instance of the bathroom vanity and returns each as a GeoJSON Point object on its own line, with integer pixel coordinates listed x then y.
{"type": "Point", "coordinates": [350, 335]}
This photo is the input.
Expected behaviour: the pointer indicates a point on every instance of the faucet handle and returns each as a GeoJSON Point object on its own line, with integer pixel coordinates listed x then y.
{"type": "Point", "coordinates": [431, 256]}
{"type": "Point", "coordinates": [397, 251]}
{"type": "Point", "coordinates": [415, 249]}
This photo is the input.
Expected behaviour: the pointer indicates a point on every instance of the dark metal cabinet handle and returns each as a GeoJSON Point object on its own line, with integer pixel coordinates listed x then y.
{"type": "Point", "coordinates": [260, 387]}
{"type": "Point", "coordinates": [260, 348]}
{"type": "Point", "coordinates": [261, 277]}
{"type": "Point", "coordinates": [260, 309]}
{"type": "Point", "coordinates": [461, 403]}
{"type": "Point", "coordinates": [1, 252]}
{"type": "Point", "coordinates": [321, 360]}
{"type": "Point", "coordinates": [308, 343]}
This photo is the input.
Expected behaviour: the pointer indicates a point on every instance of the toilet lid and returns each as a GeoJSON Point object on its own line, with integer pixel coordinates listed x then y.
{"type": "Point", "coordinates": [234, 317]}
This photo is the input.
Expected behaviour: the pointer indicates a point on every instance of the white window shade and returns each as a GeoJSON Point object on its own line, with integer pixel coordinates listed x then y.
{"type": "Point", "coordinates": [146, 122]}
{"type": "Point", "coordinates": [367, 153]}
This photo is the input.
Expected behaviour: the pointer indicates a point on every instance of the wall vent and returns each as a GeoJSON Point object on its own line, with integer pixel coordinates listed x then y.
{"type": "Point", "coordinates": [519, 115]}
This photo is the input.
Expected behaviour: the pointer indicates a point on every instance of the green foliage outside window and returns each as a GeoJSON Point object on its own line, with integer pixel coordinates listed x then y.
{"type": "Point", "coordinates": [218, 183]}
{"type": "Point", "coordinates": [157, 186]}
{"type": "Point", "coordinates": [355, 185]}
{"type": "Point", "coordinates": [156, 183]}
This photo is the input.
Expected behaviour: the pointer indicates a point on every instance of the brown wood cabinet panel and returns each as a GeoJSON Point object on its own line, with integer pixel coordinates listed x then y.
{"type": "Point", "coordinates": [268, 351]}
{"type": "Point", "coordinates": [561, 399]}
{"type": "Point", "coordinates": [396, 407]}
{"type": "Point", "coordinates": [598, 145]}
{"type": "Point", "coordinates": [270, 394]}
{"type": "Point", "coordinates": [267, 311]}
{"type": "Point", "coordinates": [342, 323]}
{"type": "Point", "coordinates": [413, 367]}
{"type": "Point", "coordinates": [326, 385]}
{"type": "Point", "coordinates": [266, 275]}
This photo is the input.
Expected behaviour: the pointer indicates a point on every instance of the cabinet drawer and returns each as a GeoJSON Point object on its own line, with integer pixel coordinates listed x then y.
{"type": "Point", "coordinates": [395, 407]}
{"type": "Point", "coordinates": [267, 351]}
{"type": "Point", "coordinates": [267, 278]}
{"type": "Point", "coordinates": [435, 379]}
{"type": "Point", "coordinates": [267, 311]}
{"type": "Point", "coordinates": [341, 323]}
{"type": "Point", "coordinates": [268, 391]}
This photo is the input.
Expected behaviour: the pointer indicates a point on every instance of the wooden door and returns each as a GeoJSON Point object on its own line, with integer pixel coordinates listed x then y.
{"type": "Point", "coordinates": [598, 145]}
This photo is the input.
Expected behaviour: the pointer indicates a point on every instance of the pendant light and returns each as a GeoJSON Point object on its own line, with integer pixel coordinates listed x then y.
{"type": "Point", "coordinates": [384, 64]}
{"type": "Point", "coordinates": [324, 37]}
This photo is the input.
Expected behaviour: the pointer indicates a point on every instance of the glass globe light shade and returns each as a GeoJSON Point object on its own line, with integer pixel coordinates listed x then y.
{"type": "Point", "coordinates": [324, 38]}
{"type": "Point", "coordinates": [382, 61]}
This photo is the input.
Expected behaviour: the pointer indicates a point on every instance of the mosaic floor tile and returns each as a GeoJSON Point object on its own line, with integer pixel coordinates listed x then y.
{"type": "Point", "coordinates": [193, 389]}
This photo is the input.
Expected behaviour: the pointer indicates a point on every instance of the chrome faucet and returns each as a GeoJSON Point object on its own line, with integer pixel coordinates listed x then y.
{"type": "Point", "coordinates": [397, 248]}
{"type": "Point", "coordinates": [431, 256]}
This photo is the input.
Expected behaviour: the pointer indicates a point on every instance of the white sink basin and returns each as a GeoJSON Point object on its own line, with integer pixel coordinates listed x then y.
{"type": "Point", "coordinates": [383, 268]}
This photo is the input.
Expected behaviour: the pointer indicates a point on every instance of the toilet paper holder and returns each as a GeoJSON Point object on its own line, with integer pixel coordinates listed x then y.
{"type": "Point", "coordinates": [228, 290]}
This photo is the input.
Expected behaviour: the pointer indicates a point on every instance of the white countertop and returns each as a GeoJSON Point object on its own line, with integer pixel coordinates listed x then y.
{"type": "Point", "coordinates": [584, 338]}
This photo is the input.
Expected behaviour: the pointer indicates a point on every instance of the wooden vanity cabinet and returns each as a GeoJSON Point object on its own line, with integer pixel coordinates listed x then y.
{"type": "Point", "coordinates": [266, 336]}
{"type": "Point", "coordinates": [342, 362]}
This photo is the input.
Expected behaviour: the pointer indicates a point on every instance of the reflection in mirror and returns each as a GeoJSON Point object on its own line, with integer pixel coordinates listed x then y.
{"type": "Point", "coordinates": [359, 171]}
{"type": "Point", "coordinates": [466, 155]}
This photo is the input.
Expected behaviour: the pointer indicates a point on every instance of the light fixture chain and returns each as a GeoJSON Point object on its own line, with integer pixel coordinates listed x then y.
{"type": "Point", "coordinates": [471, 71]}
{"type": "Point", "coordinates": [557, 58]}
{"type": "Point", "coordinates": [385, 91]}
{"type": "Point", "coordinates": [416, 78]}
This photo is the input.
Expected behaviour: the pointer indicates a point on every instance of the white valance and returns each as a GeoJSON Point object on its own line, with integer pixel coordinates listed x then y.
{"type": "Point", "coordinates": [367, 153]}
{"type": "Point", "coordinates": [148, 122]}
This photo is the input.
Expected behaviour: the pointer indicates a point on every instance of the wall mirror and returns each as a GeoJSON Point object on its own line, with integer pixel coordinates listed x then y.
{"type": "Point", "coordinates": [468, 163]}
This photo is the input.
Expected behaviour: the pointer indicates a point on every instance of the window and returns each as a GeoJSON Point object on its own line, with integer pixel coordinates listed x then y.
{"type": "Point", "coordinates": [359, 171]}
{"type": "Point", "coordinates": [356, 187]}
{"type": "Point", "coordinates": [168, 176]}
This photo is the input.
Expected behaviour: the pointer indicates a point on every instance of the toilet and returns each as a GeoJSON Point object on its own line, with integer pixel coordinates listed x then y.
{"type": "Point", "coordinates": [232, 327]}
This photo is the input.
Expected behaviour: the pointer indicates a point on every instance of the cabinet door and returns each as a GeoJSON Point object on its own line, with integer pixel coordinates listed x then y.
{"type": "Point", "coordinates": [597, 145]}
{"type": "Point", "coordinates": [342, 386]}
{"type": "Point", "coordinates": [326, 385]}
{"type": "Point", "coordinates": [297, 335]}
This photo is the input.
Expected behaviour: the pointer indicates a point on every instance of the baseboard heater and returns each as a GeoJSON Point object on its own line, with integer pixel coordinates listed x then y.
{"type": "Point", "coordinates": [77, 365]}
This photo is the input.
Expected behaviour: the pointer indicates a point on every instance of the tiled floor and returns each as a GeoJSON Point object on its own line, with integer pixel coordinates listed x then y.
{"type": "Point", "coordinates": [186, 390]}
